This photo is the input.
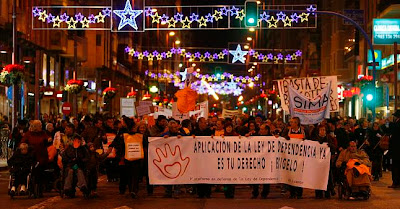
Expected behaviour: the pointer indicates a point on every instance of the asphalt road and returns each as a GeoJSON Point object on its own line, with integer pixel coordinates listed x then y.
{"type": "Point", "coordinates": [382, 197]}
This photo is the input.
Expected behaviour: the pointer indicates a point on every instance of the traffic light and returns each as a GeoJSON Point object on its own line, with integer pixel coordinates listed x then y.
{"type": "Point", "coordinates": [251, 9]}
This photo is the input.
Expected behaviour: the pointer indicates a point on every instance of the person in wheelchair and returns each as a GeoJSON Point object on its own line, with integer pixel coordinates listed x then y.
{"type": "Point", "coordinates": [357, 168]}
{"type": "Point", "coordinates": [74, 159]}
{"type": "Point", "coordinates": [20, 163]}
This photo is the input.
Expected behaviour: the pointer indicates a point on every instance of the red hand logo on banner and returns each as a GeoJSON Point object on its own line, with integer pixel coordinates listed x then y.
{"type": "Point", "coordinates": [168, 165]}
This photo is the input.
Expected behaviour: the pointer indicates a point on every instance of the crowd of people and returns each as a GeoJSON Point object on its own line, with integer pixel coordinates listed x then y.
{"type": "Point", "coordinates": [86, 146]}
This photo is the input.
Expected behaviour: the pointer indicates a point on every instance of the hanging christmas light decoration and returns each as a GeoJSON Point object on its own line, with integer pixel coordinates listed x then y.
{"type": "Point", "coordinates": [207, 77]}
{"type": "Point", "coordinates": [197, 56]}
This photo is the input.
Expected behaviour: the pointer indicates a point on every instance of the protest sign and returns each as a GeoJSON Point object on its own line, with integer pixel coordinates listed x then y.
{"type": "Point", "coordinates": [310, 87]}
{"type": "Point", "coordinates": [178, 115]}
{"type": "Point", "coordinates": [310, 111]}
{"type": "Point", "coordinates": [201, 110]}
{"type": "Point", "coordinates": [133, 147]}
{"type": "Point", "coordinates": [234, 160]}
{"type": "Point", "coordinates": [143, 110]}
{"type": "Point", "coordinates": [230, 113]}
{"type": "Point", "coordinates": [145, 103]}
{"type": "Point", "coordinates": [127, 107]}
{"type": "Point", "coordinates": [162, 111]}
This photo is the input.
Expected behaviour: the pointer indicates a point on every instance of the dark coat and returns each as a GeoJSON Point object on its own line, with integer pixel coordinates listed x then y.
{"type": "Point", "coordinates": [394, 143]}
{"type": "Point", "coordinates": [20, 162]}
{"type": "Point", "coordinates": [94, 135]}
{"type": "Point", "coordinates": [94, 160]}
{"type": "Point", "coordinates": [72, 156]}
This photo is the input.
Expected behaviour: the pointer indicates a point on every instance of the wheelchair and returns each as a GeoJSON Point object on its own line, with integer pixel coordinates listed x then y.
{"type": "Point", "coordinates": [355, 191]}
{"type": "Point", "coordinates": [72, 193]}
{"type": "Point", "coordinates": [32, 188]}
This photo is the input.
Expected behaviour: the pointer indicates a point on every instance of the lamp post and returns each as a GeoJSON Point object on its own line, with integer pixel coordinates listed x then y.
{"type": "Point", "coordinates": [13, 61]}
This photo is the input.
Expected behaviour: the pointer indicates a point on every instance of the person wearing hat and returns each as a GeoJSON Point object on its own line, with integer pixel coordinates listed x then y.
{"type": "Point", "coordinates": [74, 159]}
{"type": "Point", "coordinates": [394, 149]}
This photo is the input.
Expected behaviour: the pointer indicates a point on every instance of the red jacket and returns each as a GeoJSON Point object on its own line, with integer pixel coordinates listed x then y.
{"type": "Point", "coordinates": [38, 141]}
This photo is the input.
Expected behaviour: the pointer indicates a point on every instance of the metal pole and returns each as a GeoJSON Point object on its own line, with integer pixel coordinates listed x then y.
{"type": "Point", "coordinates": [74, 97]}
{"type": "Point", "coordinates": [13, 61]}
{"type": "Point", "coordinates": [396, 68]}
{"type": "Point", "coordinates": [38, 65]}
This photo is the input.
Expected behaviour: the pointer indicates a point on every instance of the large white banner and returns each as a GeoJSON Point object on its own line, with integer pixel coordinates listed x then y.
{"type": "Point", "coordinates": [235, 160]}
{"type": "Point", "coordinates": [310, 111]}
{"type": "Point", "coordinates": [310, 87]}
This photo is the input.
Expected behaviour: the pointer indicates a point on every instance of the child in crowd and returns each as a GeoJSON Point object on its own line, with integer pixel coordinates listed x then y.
{"type": "Point", "coordinates": [95, 159]}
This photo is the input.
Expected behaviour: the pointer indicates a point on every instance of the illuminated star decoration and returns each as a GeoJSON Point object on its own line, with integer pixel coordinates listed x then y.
{"type": "Point", "coordinates": [164, 19]}
{"type": "Point", "coordinates": [264, 16]}
{"type": "Point", "coordinates": [298, 53]}
{"type": "Point", "coordinates": [36, 12]}
{"type": "Point", "coordinates": [238, 54]}
{"type": "Point", "coordinates": [281, 16]}
{"type": "Point", "coordinates": [312, 9]}
{"type": "Point", "coordinates": [304, 16]}
{"type": "Point", "coordinates": [56, 22]}
{"type": "Point", "coordinates": [224, 11]}
{"type": "Point", "coordinates": [295, 17]}
{"type": "Point", "coordinates": [132, 16]}
{"type": "Point", "coordinates": [50, 18]}
{"type": "Point", "coordinates": [148, 12]}
{"type": "Point", "coordinates": [72, 23]}
{"type": "Point", "coordinates": [194, 17]}
{"type": "Point", "coordinates": [217, 15]}
{"type": "Point", "coordinates": [234, 11]}
{"type": "Point", "coordinates": [183, 74]}
{"type": "Point", "coordinates": [64, 17]}
{"type": "Point", "coordinates": [43, 16]}
{"type": "Point", "coordinates": [274, 24]}
{"type": "Point", "coordinates": [186, 23]}
{"type": "Point", "coordinates": [92, 18]}
{"type": "Point", "coordinates": [156, 18]}
{"type": "Point", "coordinates": [287, 22]}
{"type": "Point", "coordinates": [240, 15]}
{"type": "Point", "coordinates": [106, 12]}
{"type": "Point", "coordinates": [172, 22]}
{"type": "Point", "coordinates": [79, 17]}
{"type": "Point", "coordinates": [210, 17]}
{"type": "Point", "coordinates": [100, 18]}
{"type": "Point", "coordinates": [85, 23]}
{"type": "Point", "coordinates": [178, 17]}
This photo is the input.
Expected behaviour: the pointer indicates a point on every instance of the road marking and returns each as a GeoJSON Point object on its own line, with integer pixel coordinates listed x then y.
{"type": "Point", "coordinates": [45, 203]}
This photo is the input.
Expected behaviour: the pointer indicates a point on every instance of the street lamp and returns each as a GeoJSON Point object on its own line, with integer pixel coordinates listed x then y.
{"type": "Point", "coordinates": [249, 38]}
{"type": "Point", "coordinates": [177, 42]}
{"type": "Point", "coordinates": [172, 33]}
{"type": "Point", "coordinates": [252, 29]}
